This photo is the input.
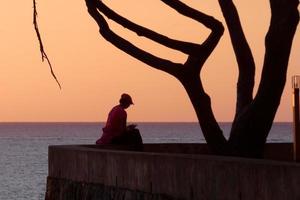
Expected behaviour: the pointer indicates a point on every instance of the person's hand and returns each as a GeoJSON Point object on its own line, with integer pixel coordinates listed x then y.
{"type": "Point", "coordinates": [131, 126]}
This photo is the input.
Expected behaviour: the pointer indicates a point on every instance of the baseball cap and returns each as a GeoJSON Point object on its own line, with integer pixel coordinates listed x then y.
{"type": "Point", "coordinates": [127, 98]}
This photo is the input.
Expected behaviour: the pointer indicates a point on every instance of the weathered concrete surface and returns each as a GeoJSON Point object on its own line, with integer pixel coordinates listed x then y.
{"type": "Point", "coordinates": [174, 175]}
{"type": "Point", "coordinates": [61, 189]}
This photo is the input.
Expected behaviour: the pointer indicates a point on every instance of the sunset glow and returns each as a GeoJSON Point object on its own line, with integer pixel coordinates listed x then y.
{"type": "Point", "coordinates": [93, 73]}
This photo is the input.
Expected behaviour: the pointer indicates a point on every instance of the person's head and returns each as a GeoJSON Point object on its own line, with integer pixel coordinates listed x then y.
{"type": "Point", "coordinates": [125, 100]}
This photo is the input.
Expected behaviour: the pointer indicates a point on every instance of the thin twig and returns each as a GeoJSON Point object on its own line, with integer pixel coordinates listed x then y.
{"type": "Point", "coordinates": [43, 53]}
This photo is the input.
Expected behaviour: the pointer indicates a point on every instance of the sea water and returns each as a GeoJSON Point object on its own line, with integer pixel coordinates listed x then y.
{"type": "Point", "coordinates": [24, 148]}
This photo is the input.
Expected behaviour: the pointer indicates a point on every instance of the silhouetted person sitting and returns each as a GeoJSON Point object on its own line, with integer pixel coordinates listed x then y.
{"type": "Point", "coordinates": [115, 130]}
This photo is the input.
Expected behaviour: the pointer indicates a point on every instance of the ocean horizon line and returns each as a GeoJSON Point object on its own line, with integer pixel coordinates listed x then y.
{"type": "Point", "coordinates": [93, 122]}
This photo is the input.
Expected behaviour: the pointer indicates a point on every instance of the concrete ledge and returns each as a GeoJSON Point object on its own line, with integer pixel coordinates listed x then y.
{"type": "Point", "coordinates": [176, 173]}
{"type": "Point", "coordinates": [59, 189]}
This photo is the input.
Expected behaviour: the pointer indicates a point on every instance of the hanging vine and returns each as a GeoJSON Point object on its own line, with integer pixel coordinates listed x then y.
{"type": "Point", "coordinates": [43, 53]}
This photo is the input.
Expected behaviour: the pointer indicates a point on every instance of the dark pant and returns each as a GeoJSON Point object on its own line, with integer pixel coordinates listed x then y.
{"type": "Point", "coordinates": [130, 137]}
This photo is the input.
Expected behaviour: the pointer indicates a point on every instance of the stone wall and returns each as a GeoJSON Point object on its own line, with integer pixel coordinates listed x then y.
{"type": "Point", "coordinates": [170, 172]}
{"type": "Point", "coordinates": [58, 189]}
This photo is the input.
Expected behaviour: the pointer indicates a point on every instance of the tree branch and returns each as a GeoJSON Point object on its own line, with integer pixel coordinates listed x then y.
{"type": "Point", "coordinates": [208, 21]}
{"type": "Point", "coordinates": [278, 43]}
{"type": "Point", "coordinates": [124, 45]}
{"type": "Point", "coordinates": [43, 53]}
{"type": "Point", "coordinates": [192, 49]}
{"type": "Point", "coordinates": [243, 55]}
{"type": "Point", "coordinates": [185, 47]}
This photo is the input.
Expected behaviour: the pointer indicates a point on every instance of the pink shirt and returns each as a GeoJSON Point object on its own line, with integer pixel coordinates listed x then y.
{"type": "Point", "coordinates": [115, 125]}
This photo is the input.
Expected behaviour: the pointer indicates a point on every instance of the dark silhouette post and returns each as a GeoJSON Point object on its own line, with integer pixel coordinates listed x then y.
{"type": "Point", "coordinates": [296, 118]}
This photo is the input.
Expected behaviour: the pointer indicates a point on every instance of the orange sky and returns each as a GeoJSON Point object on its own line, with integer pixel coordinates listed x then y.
{"type": "Point", "coordinates": [93, 73]}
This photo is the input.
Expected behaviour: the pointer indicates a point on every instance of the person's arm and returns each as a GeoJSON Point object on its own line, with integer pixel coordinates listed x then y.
{"type": "Point", "coordinates": [120, 123]}
{"type": "Point", "coordinates": [124, 122]}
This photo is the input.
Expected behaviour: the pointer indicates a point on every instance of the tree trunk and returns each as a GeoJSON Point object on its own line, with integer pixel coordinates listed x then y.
{"type": "Point", "coordinates": [251, 127]}
{"type": "Point", "coordinates": [202, 105]}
